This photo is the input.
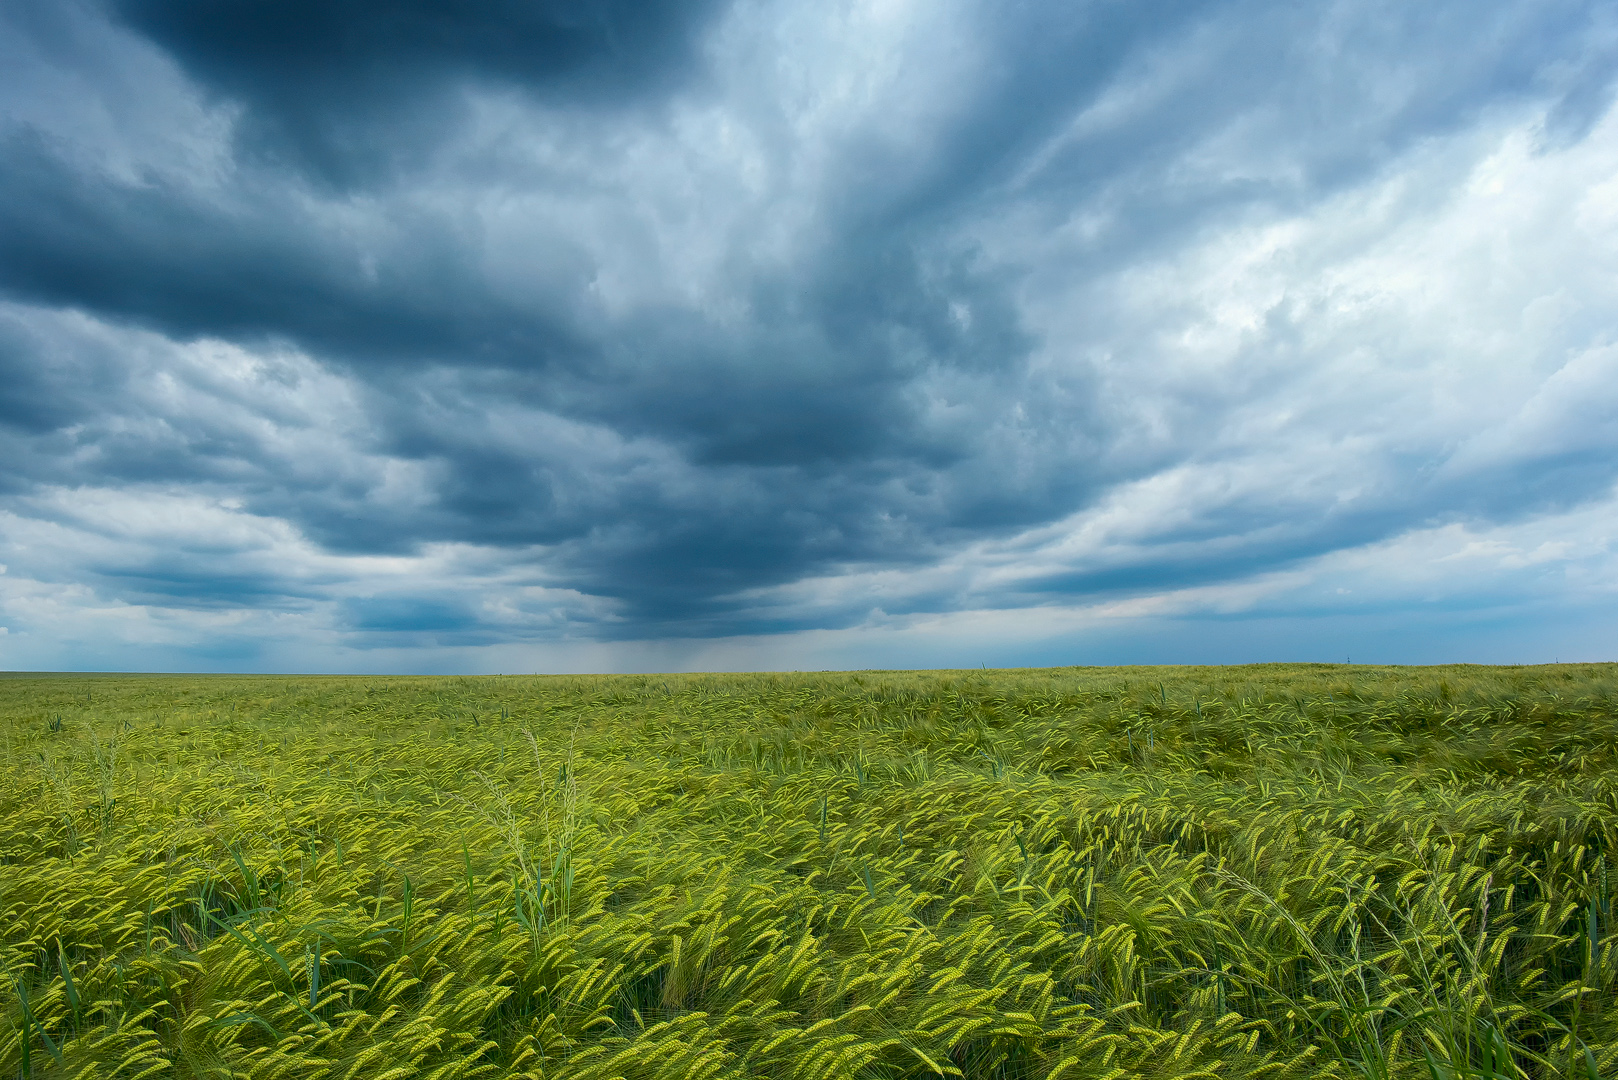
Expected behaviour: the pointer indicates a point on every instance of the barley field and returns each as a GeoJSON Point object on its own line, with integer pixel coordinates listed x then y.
{"type": "Point", "coordinates": [1273, 871]}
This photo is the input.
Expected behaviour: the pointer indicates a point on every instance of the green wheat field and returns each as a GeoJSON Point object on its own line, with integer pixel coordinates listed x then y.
{"type": "Point", "coordinates": [1277, 871]}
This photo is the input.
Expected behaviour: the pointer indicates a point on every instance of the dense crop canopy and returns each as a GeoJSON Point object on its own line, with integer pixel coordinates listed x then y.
{"type": "Point", "coordinates": [1078, 873]}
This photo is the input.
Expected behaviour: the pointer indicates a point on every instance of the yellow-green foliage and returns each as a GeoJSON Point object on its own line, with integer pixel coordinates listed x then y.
{"type": "Point", "coordinates": [1079, 873]}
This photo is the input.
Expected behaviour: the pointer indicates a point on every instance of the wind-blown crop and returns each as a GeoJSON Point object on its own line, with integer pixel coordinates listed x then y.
{"type": "Point", "coordinates": [1079, 873]}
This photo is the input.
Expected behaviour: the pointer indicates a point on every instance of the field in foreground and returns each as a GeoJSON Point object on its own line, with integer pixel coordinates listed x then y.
{"type": "Point", "coordinates": [1175, 872]}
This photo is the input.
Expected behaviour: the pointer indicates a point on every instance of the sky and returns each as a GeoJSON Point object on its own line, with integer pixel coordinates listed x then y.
{"type": "Point", "coordinates": [538, 335]}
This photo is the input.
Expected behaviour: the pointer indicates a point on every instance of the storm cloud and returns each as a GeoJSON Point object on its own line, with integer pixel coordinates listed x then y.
{"type": "Point", "coordinates": [521, 335]}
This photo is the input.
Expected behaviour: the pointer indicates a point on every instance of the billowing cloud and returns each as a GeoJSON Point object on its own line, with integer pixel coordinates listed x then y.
{"type": "Point", "coordinates": [509, 336]}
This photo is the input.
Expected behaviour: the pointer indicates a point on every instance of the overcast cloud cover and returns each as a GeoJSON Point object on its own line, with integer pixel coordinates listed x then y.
{"type": "Point", "coordinates": [513, 335]}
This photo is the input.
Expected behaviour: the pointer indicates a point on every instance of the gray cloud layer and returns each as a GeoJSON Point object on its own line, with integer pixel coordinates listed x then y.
{"type": "Point", "coordinates": [658, 321]}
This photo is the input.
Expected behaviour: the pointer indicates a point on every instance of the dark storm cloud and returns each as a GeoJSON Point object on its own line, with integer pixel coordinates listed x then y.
{"type": "Point", "coordinates": [352, 91]}
{"type": "Point", "coordinates": [875, 397]}
{"type": "Point", "coordinates": [408, 614]}
{"type": "Point", "coordinates": [253, 267]}
{"type": "Point", "coordinates": [817, 395]}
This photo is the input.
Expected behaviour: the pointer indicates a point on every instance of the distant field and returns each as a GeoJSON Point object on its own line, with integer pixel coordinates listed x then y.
{"type": "Point", "coordinates": [1113, 872]}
